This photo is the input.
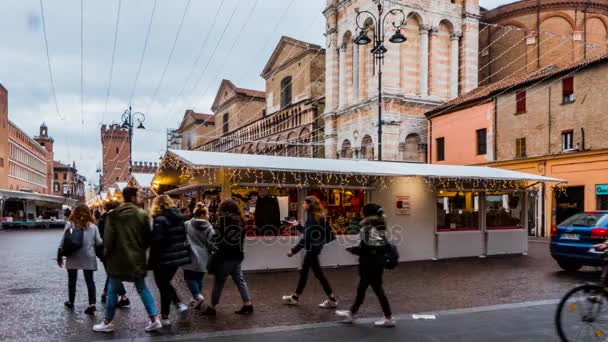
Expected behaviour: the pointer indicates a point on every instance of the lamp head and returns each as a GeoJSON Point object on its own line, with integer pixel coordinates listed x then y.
{"type": "Point", "coordinates": [397, 38]}
{"type": "Point", "coordinates": [362, 38]}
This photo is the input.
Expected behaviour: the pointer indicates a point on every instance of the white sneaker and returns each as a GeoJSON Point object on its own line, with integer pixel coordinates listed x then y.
{"type": "Point", "coordinates": [103, 327]}
{"type": "Point", "coordinates": [328, 304]}
{"type": "Point", "coordinates": [385, 323]}
{"type": "Point", "coordinates": [165, 321]}
{"type": "Point", "coordinates": [153, 326]}
{"type": "Point", "coordinates": [346, 315]}
{"type": "Point", "coordinates": [181, 308]}
{"type": "Point", "coordinates": [289, 300]}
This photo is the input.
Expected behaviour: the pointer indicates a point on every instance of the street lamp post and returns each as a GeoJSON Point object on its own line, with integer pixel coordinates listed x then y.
{"type": "Point", "coordinates": [379, 50]}
{"type": "Point", "coordinates": [128, 121]}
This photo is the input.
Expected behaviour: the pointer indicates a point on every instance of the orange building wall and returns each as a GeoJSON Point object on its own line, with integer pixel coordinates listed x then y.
{"type": "Point", "coordinates": [459, 130]}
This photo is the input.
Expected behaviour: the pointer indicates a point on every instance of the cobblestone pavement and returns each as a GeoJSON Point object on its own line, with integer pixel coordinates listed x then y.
{"type": "Point", "coordinates": [33, 289]}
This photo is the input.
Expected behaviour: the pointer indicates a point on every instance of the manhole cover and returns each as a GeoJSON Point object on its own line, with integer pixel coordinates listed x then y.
{"type": "Point", "coordinates": [25, 290]}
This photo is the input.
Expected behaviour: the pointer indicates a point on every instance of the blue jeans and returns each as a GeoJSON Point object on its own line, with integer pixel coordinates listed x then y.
{"type": "Point", "coordinates": [194, 280]}
{"type": "Point", "coordinates": [145, 295]}
{"type": "Point", "coordinates": [233, 269]}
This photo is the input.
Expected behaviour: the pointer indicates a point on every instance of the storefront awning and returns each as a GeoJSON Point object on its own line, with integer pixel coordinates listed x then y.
{"type": "Point", "coordinates": [353, 167]}
{"type": "Point", "coordinates": [20, 195]}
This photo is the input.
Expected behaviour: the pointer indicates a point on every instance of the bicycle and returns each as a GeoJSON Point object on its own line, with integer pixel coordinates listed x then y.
{"type": "Point", "coordinates": [582, 314]}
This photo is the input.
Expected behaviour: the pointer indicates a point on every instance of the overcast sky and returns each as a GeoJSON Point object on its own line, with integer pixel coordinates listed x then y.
{"type": "Point", "coordinates": [250, 30]}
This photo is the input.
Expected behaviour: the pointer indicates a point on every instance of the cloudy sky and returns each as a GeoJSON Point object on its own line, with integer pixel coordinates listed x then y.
{"type": "Point", "coordinates": [218, 39]}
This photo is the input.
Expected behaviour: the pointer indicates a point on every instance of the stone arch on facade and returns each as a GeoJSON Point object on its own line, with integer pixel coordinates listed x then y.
{"type": "Point", "coordinates": [251, 149]}
{"type": "Point", "coordinates": [346, 81]}
{"type": "Point", "coordinates": [546, 16]}
{"type": "Point", "coordinates": [346, 152]}
{"type": "Point", "coordinates": [441, 56]}
{"type": "Point", "coordinates": [304, 140]}
{"type": "Point", "coordinates": [410, 55]}
{"type": "Point", "coordinates": [597, 36]}
{"type": "Point", "coordinates": [367, 148]}
{"type": "Point", "coordinates": [556, 40]}
{"type": "Point", "coordinates": [279, 146]}
{"type": "Point", "coordinates": [291, 144]}
{"type": "Point", "coordinates": [507, 53]}
{"type": "Point", "coordinates": [412, 146]}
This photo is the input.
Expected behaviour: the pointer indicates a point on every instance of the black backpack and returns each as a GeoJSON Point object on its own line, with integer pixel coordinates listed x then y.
{"type": "Point", "coordinates": [72, 241]}
{"type": "Point", "coordinates": [391, 256]}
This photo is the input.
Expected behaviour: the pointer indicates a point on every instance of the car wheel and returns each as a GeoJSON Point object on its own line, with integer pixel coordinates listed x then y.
{"type": "Point", "coordinates": [569, 266]}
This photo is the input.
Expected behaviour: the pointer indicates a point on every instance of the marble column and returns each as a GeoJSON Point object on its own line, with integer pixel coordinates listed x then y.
{"type": "Point", "coordinates": [424, 60]}
{"type": "Point", "coordinates": [454, 63]}
{"type": "Point", "coordinates": [342, 76]}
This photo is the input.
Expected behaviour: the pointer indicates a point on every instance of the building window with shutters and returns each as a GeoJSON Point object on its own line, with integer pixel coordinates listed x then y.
{"type": "Point", "coordinates": [568, 90]}
{"type": "Point", "coordinates": [285, 92]}
{"type": "Point", "coordinates": [567, 140]}
{"type": "Point", "coordinates": [520, 148]}
{"type": "Point", "coordinates": [440, 149]}
{"type": "Point", "coordinates": [225, 123]}
{"type": "Point", "coordinates": [482, 144]}
{"type": "Point", "coordinates": [520, 102]}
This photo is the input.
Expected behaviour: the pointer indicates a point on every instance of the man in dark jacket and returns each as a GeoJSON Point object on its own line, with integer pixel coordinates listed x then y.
{"type": "Point", "coordinates": [169, 250]}
{"type": "Point", "coordinates": [126, 239]}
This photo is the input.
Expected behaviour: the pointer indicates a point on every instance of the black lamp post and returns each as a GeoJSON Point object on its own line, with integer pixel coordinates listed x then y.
{"type": "Point", "coordinates": [378, 50]}
{"type": "Point", "coordinates": [128, 121]}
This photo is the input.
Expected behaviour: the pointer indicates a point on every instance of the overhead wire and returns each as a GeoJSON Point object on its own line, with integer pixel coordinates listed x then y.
{"type": "Point", "coordinates": [112, 61]}
{"type": "Point", "coordinates": [48, 59]}
{"type": "Point", "coordinates": [143, 52]}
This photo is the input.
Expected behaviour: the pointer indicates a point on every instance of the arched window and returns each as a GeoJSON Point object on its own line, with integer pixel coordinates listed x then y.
{"type": "Point", "coordinates": [347, 150]}
{"type": "Point", "coordinates": [367, 149]}
{"type": "Point", "coordinates": [286, 92]}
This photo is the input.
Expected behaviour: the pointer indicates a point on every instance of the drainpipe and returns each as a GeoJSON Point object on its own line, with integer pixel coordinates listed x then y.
{"type": "Point", "coordinates": [549, 125]}
{"type": "Point", "coordinates": [538, 34]}
{"type": "Point", "coordinates": [582, 139]}
{"type": "Point", "coordinates": [430, 145]}
{"type": "Point", "coordinates": [494, 130]}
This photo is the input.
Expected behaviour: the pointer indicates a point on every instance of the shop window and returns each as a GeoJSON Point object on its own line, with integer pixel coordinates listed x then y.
{"type": "Point", "coordinates": [520, 148]}
{"type": "Point", "coordinates": [504, 211]}
{"type": "Point", "coordinates": [117, 151]}
{"type": "Point", "coordinates": [568, 90]}
{"type": "Point", "coordinates": [482, 144]}
{"type": "Point", "coordinates": [567, 140]}
{"type": "Point", "coordinates": [520, 100]}
{"type": "Point", "coordinates": [56, 187]}
{"type": "Point", "coordinates": [457, 211]}
{"type": "Point", "coordinates": [440, 149]}
{"type": "Point", "coordinates": [1, 162]}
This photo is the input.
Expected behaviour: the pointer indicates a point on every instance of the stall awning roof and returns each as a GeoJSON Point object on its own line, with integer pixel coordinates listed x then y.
{"type": "Point", "coordinates": [189, 188]}
{"type": "Point", "coordinates": [341, 166]}
{"type": "Point", "coordinates": [144, 180]}
{"type": "Point", "coordinates": [8, 194]}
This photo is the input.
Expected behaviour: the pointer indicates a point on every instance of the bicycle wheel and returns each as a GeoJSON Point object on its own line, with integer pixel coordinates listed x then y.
{"type": "Point", "coordinates": [582, 315]}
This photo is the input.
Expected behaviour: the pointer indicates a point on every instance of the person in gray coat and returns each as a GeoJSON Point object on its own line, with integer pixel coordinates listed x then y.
{"type": "Point", "coordinates": [200, 236]}
{"type": "Point", "coordinates": [85, 258]}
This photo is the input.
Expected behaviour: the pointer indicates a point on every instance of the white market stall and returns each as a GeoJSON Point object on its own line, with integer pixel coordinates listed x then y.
{"type": "Point", "coordinates": [433, 211]}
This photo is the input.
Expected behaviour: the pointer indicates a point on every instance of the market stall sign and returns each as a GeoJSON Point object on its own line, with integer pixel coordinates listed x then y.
{"type": "Point", "coordinates": [402, 205]}
{"type": "Point", "coordinates": [601, 189]}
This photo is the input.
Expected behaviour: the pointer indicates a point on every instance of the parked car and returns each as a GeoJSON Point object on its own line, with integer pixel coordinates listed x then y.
{"type": "Point", "coordinates": [572, 239]}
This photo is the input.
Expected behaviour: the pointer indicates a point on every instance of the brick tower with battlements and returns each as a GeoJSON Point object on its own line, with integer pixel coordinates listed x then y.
{"type": "Point", "coordinates": [116, 149]}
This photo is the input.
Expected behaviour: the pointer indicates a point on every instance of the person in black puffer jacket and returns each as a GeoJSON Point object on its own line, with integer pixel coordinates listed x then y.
{"type": "Point", "coordinates": [371, 251]}
{"type": "Point", "coordinates": [230, 239]}
{"type": "Point", "coordinates": [169, 250]}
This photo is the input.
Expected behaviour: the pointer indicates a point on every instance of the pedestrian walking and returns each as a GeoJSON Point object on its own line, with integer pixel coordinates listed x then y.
{"type": "Point", "coordinates": [127, 236]}
{"type": "Point", "coordinates": [169, 250]}
{"type": "Point", "coordinates": [315, 235]}
{"type": "Point", "coordinates": [371, 251]}
{"type": "Point", "coordinates": [83, 258]}
{"type": "Point", "coordinates": [122, 292]}
{"type": "Point", "coordinates": [230, 239]}
{"type": "Point", "coordinates": [200, 236]}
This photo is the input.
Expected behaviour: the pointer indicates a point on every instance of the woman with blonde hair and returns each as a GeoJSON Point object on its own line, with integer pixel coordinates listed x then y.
{"type": "Point", "coordinates": [84, 258]}
{"type": "Point", "coordinates": [169, 250]}
{"type": "Point", "coordinates": [200, 236]}
{"type": "Point", "coordinates": [316, 234]}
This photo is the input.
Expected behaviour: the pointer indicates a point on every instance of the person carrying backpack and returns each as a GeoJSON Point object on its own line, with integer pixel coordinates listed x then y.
{"type": "Point", "coordinates": [316, 234]}
{"type": "Point", "coordinates": [372, 251]}
{"type": "Point", "coordinates": [169, 250]}
{"type": "Point", "coordinates": [82, 236]}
